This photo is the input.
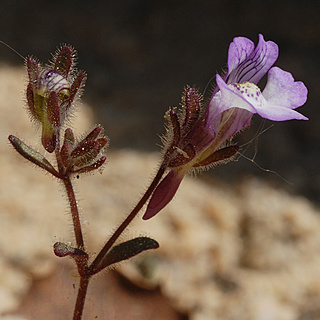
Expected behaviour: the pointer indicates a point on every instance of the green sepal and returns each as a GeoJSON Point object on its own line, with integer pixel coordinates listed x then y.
{"type": "Point", "coordinates": [69, 137]}
{"type": "Point", "coordinates": [219, 155]}
{"type": "Point", "coordinates": [33, 69]}
{"type": "Point", "coordinates": [93, 166]}
{"type": "Point", "coordinates": [63, 60]}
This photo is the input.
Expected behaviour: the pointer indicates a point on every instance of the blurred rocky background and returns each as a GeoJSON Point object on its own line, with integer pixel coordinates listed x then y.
{"type": "Point", "coordinates": [139, 55]}
{"type": "Point", "coordinates": [254, 246]}
{"type": "Point", "coordinates": [243, 252]}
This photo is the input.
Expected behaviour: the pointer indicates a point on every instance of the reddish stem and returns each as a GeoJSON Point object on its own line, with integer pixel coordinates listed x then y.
{"type": "Point", "coordinates": [82, 267]}
{"type": "Point", "coordinates": [74, 212]}
{"type": "Point", "coordinates": [87, 272]}
{"type": "Point", "coordinates": [65, 177]}
{"type": "Point", "coordinates": [82, 292]}
{"type": "Point", "coordinates": [94, 268]}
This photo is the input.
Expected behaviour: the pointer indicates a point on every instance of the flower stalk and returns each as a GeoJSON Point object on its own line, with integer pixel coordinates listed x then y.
{"type": "Point", "coordinates": [74, 212]}
{"type": "Point", "coordinates": [94, 268]}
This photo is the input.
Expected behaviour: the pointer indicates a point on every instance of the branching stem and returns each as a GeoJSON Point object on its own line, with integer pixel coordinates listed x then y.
{"type": "Point", "coordinates": [94, 268]}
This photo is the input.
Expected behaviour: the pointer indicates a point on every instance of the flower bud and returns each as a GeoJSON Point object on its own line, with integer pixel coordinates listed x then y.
{"type": "Point", "coordinates": [51, 92]}
{"type": "Point", "coordinates": [86, 155]}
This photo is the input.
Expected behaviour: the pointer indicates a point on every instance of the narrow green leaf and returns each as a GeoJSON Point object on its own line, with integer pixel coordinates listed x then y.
{"type": "Point", "coordinates": [32, 155]}
{"type": "Point", "coordinates": [127, 250]}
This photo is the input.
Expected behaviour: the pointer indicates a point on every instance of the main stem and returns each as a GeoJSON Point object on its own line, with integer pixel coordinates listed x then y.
{"type": "Point", "coordinates": [74, 212]}
{"type": "Point", "coordinates": [65, 177]}
{"type": "Point", "coordinates": [82, 292]}
{"type": "Point", "coordinates": [94, 268]}
{"type": "Point", "coordinates": [84, 276]}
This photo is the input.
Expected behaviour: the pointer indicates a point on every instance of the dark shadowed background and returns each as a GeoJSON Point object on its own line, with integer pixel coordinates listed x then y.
{"type": "Point", "coordinates": [139, 55]}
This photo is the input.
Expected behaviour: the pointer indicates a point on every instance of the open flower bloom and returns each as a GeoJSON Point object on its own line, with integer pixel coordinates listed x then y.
{"type": "Point", "coordinates": [199, 138]}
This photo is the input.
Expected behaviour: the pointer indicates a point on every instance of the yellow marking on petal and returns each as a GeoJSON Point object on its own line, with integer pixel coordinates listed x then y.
{"type": "Point", "coordinates": [249, 91]}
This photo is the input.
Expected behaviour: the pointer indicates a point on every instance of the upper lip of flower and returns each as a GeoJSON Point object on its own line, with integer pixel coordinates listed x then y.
{"type": "Point", "coordinates": [246, 64]}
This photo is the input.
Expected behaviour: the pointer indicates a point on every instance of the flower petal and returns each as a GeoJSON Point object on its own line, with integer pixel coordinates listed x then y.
{"type": "Point", "coordinates": [229, 123]}
{"type": "Point", "coordinates": [227, 98]}
{"type": "Point", "coordinates": [282, 90]}
{"type": "Point", "coordinates": [255, 65]}
{"type": "Point", "coordinates": [228, 112]}
{"type": "Point", "coordinates": [278, 113]}
{"type": "Point", "coordinates": [236, 96]}
{"type": "Point", "coordinates": [239, 50]}
{"type": "Point", "coordinates": [164, 193]}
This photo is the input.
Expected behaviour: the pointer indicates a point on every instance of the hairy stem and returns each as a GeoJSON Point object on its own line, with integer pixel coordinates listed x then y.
{"type": "Point", "coordinates": [74, 212]}
{"type": "Point", "coordinates": [82, 292]}
{"type": "Point", "coordinates": [65, 177]}
{"type": "Point", "coordinates": [94, 268]}
{"type": "Point", "coordinates": [84, 277]}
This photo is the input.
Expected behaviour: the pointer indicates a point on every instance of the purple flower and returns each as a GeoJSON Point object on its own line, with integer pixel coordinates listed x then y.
{"type": "Point", "coordinates": [200, 137]}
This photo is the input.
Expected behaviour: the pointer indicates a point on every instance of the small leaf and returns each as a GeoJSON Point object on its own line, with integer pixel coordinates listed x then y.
{"type": "Point", "coordinates": [61, 249]}
{"type": "Point", "coordinates": [32, 155]}
{"type": "Point", "coordinates": [80, 257]}
{"type": "Point", "coordinates": [127, 250]}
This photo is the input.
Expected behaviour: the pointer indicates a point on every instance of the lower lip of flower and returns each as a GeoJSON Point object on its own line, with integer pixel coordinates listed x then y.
{"type": "Point", "coordinates": [248, 91]}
